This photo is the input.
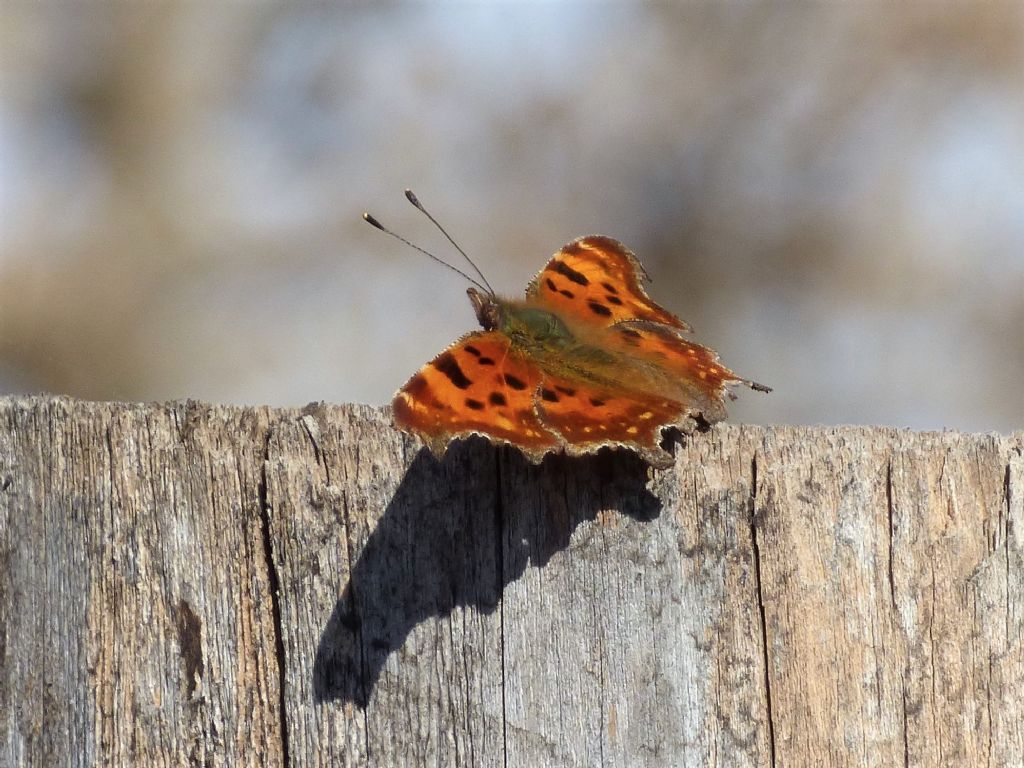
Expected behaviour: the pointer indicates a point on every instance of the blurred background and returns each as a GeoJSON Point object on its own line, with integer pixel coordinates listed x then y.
{"type": "Point", "coordinates": [832, 195]}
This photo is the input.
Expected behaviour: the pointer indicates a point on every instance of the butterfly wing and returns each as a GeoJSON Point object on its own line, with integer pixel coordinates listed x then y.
{"type": "Point", "coordinates": [482, 385]}
{"type": "Point", "coordinates": [589, 416]}
{"type": "Point", "coordinates": [596, 280]}
{"type": "Point", "coordinates": [695, 374]}
{"type": "Point", "coordinates": [479, 385]}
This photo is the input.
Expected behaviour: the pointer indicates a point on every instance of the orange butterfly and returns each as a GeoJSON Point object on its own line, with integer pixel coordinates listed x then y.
{"type": "Point", "coordinates": [586, 360]}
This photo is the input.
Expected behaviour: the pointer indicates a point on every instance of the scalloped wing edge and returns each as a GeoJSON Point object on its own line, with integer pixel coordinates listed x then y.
{"type": "Point", "coordinates": [656, 456]}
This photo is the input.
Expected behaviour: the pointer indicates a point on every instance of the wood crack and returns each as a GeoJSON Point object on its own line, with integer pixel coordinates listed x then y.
{"type": "Point", "coordinates": [1008, 530]}
{"type": "Point", "coordinates": [761, 610]}
{"type": "Point", "coordinates": [274, 584]}
{"type": "Point", "coordinates": [890, 511]}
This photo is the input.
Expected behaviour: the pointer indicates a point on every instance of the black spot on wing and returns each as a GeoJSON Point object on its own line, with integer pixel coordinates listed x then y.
{"type": "Point", "coordinates": [567, 294]}
{"type": "Point", "coordinates": [599, 309]}
{"type": "Point", "coordinates": [448, 365]}
{"type": "Point", "coordinates": [551, 284]}
{"type": "Point", "coordinates": [596, 402]}
{"type": "Point", "coordinates": [472, 350]}
{"type": "Point", "coordinates": [548, 395]}
{"type": "Point", "coordinates": [486, 361]}
{"type": "Point", "coordinates": [514, 381]}
{"type": "Point", "coordinates": [497, 398]}
{"type": "Point", "coordinates": [476, 405]}
{"type": "Point", "coordinates": [609, 287]}
{"type": "Point", "coordinates": [564, 269]}
{"type": "Point", "coordinates": [613, 300]}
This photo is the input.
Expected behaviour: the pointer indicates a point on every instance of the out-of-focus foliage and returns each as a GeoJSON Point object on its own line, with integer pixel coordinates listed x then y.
{"type": "Point", "coordinates": [833, 195]}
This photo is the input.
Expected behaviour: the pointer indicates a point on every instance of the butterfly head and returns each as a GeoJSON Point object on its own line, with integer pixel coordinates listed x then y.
{"type": "Point", "coordinates": [487, 307]}
{"type": "Point", "coordinates": [528, 326]}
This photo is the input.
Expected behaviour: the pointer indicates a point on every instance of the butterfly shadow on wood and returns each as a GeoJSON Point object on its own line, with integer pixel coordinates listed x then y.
{"type": "Point", "coordinates": [456, 533]}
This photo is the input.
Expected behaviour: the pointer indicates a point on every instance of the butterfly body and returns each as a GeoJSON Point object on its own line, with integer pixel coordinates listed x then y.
{"type": "Point", "coordinates": [585, 360]}
{"type": "Point", "coordinates": [541, 334]}
{"type": "Point", "coordinates": [564, 349]}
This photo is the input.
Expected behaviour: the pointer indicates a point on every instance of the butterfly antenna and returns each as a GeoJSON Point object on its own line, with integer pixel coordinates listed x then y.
{"type": "Point", "coordinates": [410, 195]}
{"type": "Point", "coordinates": [370, 220]}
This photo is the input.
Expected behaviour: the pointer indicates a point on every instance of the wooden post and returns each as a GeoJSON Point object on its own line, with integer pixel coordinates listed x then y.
{"type": "Point", "coordinates": [206, 585]}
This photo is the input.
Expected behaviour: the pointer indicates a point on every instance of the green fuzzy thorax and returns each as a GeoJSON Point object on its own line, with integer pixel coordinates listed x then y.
{"type": "Point", "coordinates": [532, 328]}
{"type": "Point", "coordinates": [545, 337]}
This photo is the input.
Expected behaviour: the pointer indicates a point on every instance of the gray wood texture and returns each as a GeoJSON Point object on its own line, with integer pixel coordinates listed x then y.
{"type": "Point", "coordinates": [187, 584]}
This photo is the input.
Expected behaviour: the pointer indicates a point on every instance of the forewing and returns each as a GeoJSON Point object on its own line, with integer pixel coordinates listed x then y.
{"type": "Point", "coordinates": [479, 385]}
{"type": "Point", "coordinates": [597, 281]}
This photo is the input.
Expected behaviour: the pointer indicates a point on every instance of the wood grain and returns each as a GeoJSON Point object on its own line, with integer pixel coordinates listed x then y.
{"type": "Point", "coordinates": [193, 584]}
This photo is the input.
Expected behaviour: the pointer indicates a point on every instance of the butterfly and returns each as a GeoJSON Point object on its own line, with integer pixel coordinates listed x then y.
{"type": "Point", "coordinates": [585, 360]}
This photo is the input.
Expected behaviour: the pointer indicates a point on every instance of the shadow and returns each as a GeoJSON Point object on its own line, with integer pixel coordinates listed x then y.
{"type": "Point", "coordinates": [454, 534]}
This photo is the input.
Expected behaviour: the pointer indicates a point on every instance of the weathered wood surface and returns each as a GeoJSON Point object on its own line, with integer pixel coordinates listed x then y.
{"type": "Point", "coordinates": [187, 584]}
